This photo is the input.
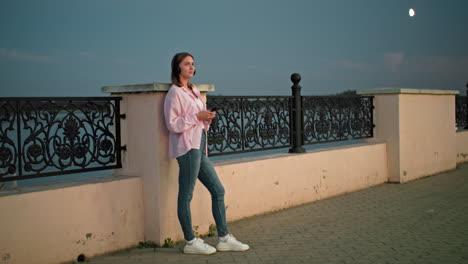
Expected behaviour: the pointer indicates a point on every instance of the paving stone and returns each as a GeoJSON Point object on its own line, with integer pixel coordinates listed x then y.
{"type": "Point", "coordinates": [423, 221]}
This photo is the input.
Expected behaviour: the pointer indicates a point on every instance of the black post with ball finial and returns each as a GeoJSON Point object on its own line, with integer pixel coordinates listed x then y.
{"type": "Point", "coordinates": [296, 115]}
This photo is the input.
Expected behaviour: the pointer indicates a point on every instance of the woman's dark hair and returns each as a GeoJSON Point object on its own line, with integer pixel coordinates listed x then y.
{"type": "Point", "coordinates": [175, 69]}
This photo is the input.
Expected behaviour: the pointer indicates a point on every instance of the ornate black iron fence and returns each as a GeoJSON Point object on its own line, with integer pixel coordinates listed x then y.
{"type": "Point", "coordinates": [461, 111]}
{"type": "Point", "coordinates": [337, 118]}
{"type": "Point", "coordinates": [248, 123]}
{"type": "Point", "coordinates": [54, 136]}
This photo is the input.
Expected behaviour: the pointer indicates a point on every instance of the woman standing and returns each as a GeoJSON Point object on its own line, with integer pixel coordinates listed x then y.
{"type": "Point", "coordinates": [187, 120]}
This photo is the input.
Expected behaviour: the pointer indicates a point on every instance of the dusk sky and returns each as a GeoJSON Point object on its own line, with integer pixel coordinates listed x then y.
{"type": "Point", "coordinates": [243, 47]}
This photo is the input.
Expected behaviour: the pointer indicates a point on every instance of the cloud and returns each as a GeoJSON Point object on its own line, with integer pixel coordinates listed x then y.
{"type": "Point", "coordinates": [22, 56]}
{"type": "Point", "coordinates": [394, 60]}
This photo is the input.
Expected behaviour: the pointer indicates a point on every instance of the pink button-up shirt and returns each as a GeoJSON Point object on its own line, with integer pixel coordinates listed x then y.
{"type": "Point", "coordinates": [185, 130]}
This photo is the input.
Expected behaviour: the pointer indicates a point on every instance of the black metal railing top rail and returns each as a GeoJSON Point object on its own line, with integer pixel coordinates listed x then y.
{"type": "Point", "coordinates": [254, 123]}
{"type": "Point", "coordinates": [54, 136]}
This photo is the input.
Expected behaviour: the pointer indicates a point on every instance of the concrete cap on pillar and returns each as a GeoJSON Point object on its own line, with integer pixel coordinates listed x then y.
{"type": "Point", "coordinates": [150, 87]}
{"type": "Point", "coordinates": [391, 90]}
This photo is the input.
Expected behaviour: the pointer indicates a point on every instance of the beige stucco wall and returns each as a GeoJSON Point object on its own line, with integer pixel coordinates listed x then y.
{"type": "Point", "coordinates": [419, 129]}
{"type": "Point", "coordinates": [387, 127]}
{"type": "Point", "coordinates": [56, 223]}
{"type": "Point", "coordinates": [462, 146]}
{"type": "Point", "coordinates": [139, 134]}
{"type": "Point", "coordinates": [146, 136]}
{"type": "Point", "coordinates": [427, 135]}
{"type": "Point", "coordinates": [268, 183]}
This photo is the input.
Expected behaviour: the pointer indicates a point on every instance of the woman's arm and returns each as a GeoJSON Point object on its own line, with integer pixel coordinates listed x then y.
{"type": "Point", "coordinates": [175, 120]}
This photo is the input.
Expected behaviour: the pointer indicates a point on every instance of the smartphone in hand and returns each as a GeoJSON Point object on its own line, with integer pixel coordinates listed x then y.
{"type": "Point", "coordinates": [214, 109]}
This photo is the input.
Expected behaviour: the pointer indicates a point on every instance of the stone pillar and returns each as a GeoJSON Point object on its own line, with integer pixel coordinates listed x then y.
{"type": "Point", "coordinates": [419, 129]}
{"type": "Point", "coordinates": [145, 135]}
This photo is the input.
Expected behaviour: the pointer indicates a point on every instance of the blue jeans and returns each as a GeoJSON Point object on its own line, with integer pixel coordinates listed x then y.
{"type": "Point", "coordinates": [192, 165]}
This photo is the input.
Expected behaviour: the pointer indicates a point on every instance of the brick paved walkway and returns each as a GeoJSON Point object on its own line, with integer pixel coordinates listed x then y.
{"type": "Point", "coordinates": [423, 221]}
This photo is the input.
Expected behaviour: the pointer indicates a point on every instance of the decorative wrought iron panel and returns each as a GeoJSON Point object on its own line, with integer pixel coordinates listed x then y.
{"type": "Point", "coordinates": [461, 111]}
{"type": "Point", "coordinates": [55, 136]}
{"type": "Point", "coordinates": [337, 118]}
{"type": "Point", "coordinates": [248, 123]}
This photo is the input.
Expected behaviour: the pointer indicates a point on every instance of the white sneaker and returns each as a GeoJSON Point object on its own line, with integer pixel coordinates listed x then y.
{"type": "Point", "coordinates": [231, 244]}
{"type": "Point", "coordinates": [198, 246]}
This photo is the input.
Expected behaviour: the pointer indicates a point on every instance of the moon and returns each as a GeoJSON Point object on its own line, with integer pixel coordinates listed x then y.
{"type": "Point", "coordinates": [411, 12]}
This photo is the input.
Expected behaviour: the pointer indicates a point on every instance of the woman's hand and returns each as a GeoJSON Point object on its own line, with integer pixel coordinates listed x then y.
{"type": "Point", "coordinates": [206, 115]}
